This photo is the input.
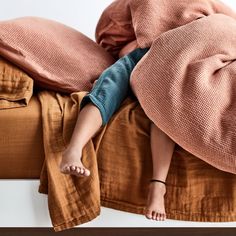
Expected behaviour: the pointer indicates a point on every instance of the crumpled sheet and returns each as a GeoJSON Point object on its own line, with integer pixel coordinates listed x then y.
{"type": "Point", "coordinates": [16, 87]}
{"type": "Point", "coordinates": [124, 21]}
{"type": "Point", "coordinates": [119, 157]}
{"type": "Point", "coordinates": [71, 200]}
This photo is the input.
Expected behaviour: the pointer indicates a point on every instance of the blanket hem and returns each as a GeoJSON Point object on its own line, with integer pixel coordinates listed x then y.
{"type": "Point", "coordinates": [77, 221]}
{"type": "Point", "coordinates": [173, 215]}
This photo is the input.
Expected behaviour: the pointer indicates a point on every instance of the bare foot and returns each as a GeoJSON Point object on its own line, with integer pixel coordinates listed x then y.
{"type": "Point", "coordinates": [71, 163]}
{"type": "Point", "coordinates": [155, 208]}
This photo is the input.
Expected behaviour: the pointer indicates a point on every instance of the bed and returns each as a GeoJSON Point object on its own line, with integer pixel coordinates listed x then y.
{"type": "Point", "coordinates": [19, 173]}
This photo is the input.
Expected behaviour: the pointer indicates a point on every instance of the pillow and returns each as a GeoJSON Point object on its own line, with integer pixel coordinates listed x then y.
{"type": "Point", "coordinates": [114, 29]}
{"type": "Point", "coordinates": [56, 56]}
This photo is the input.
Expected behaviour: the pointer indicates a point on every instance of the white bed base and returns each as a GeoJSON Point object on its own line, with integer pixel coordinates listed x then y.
{"type": "Point", "coordinates": [22, 206]}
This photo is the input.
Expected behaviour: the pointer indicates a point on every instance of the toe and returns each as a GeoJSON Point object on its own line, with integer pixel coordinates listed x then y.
{"type": "Point", "coordinates": [72, 168]}
{"type": "Point", "coordinates": [161, 216]}
{"type": "Point", "coordinates": [153, 215]}
{"type": "Point", "coordinates": [157, 216]}
{"type": "Point", "coordinates": [148, 214]}
{"type": "Point", "coordinates": [67, 169]}
{"type": "Point", "coordinates": [86, 172]}
{"type": "Point", "coordinates": [82, 170]}
{"type": "Point", "coordinates": [164, 216]}
{"type": "Point", "coordinates": [78, 170]}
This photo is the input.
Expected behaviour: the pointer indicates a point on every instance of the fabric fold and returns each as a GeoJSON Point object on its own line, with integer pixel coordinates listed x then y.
{"type": "Point", "coordinates": [71, 200]}
{"type": "Point", "coordinates": [16, 87]}
{"type": "Point", "coordinates": [144, 20]}
{"type": "Point", "coordinates": [119, 158]}
{"type": "Point", "coordinates": [186, 86]}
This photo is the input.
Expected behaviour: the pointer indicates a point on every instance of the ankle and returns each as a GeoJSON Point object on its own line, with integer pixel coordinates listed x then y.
{"type": "Point", "coordinates": [74, 149]}
{"type": "Point", "coordinates": [158, 188]}
{"type": "Point", "coordinates": [156, 183]}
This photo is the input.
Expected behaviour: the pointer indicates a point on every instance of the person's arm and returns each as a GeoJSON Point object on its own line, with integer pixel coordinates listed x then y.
{"type": "Point", "coordinates": [112, 86]}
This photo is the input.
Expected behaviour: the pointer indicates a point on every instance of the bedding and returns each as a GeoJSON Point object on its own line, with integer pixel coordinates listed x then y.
{"type": "Point", "coordinates": [192, 98]}
{"type": "Point", "coordinates": [21, 142]}
{"type": "Point", "coordinates": [119, 158]}
{"type": "Point", "coordinates": [21, 146]}
{"type": "Point", "coordinates": [189, 196]}
{"type": "Point", "coordinates": [178, 97]}
{"type": "Point", "coordinates": [57, 57]}
{"type": "Point", "coordinates": [124, 21]}
{"type": "Point", "coordinates": [15, 90]}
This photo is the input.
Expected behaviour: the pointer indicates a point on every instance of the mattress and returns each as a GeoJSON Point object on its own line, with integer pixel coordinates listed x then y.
{"type": "Point", "coordinates": [21, 141]}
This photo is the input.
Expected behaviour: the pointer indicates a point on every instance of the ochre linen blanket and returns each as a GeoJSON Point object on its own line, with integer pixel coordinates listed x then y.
{"type": "Point", "coordinates": [71, 200]}
{"type": "Point", "coordinates": [16, 87]}
{"type": "Point", "coordinates": [119, 157]}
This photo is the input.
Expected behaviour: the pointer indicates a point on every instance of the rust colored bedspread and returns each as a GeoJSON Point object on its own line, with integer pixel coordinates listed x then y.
{"type": "Point", "coordinates": [195, 190]}
{"type": "Point", "coordinates": [21, 142]}
{"type": "Point", "coordinates": [119, 158]}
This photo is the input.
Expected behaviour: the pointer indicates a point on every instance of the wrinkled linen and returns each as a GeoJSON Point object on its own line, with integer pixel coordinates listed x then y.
{"type": "Point", "coordinates": [16, 87]}
{"type": "Point", "coordinates": [119, 158]}
{"type": "Point", "coordinates": [124, 21]}
{"type": "Point", "coordinates": [21, 141]}
{"type": "Point", "coordinates": [71, 200]}
{"type": "Point", "coordinates": [186, 86]}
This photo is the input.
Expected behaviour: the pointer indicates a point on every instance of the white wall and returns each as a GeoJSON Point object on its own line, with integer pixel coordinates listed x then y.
{"type": "Point", "coordinates": [80, 14]}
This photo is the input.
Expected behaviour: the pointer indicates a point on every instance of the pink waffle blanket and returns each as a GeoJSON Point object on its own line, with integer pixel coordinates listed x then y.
{"type": "Point", "coordinates": [144, 20]}
{"type": "Point", "coordinates": [186, 83]}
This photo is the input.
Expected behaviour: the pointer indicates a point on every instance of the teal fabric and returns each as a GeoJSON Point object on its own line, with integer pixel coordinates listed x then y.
{"type": "Point", "coordinates": [113, 86]}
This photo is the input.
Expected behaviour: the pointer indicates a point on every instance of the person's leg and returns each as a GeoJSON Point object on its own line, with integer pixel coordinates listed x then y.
{"type": "Point", "coordinates": [162, 148]}
{"type": "Point", "coordinates": [111, 88]}
{"type": "Point", "coordinates": [88, 123]}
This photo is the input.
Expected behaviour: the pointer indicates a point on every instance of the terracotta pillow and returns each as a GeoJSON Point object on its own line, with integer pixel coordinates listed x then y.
{"type": "Point", "coordinates": [115, 28]}
{"type": "Point", "coordinates": [56, 56]}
